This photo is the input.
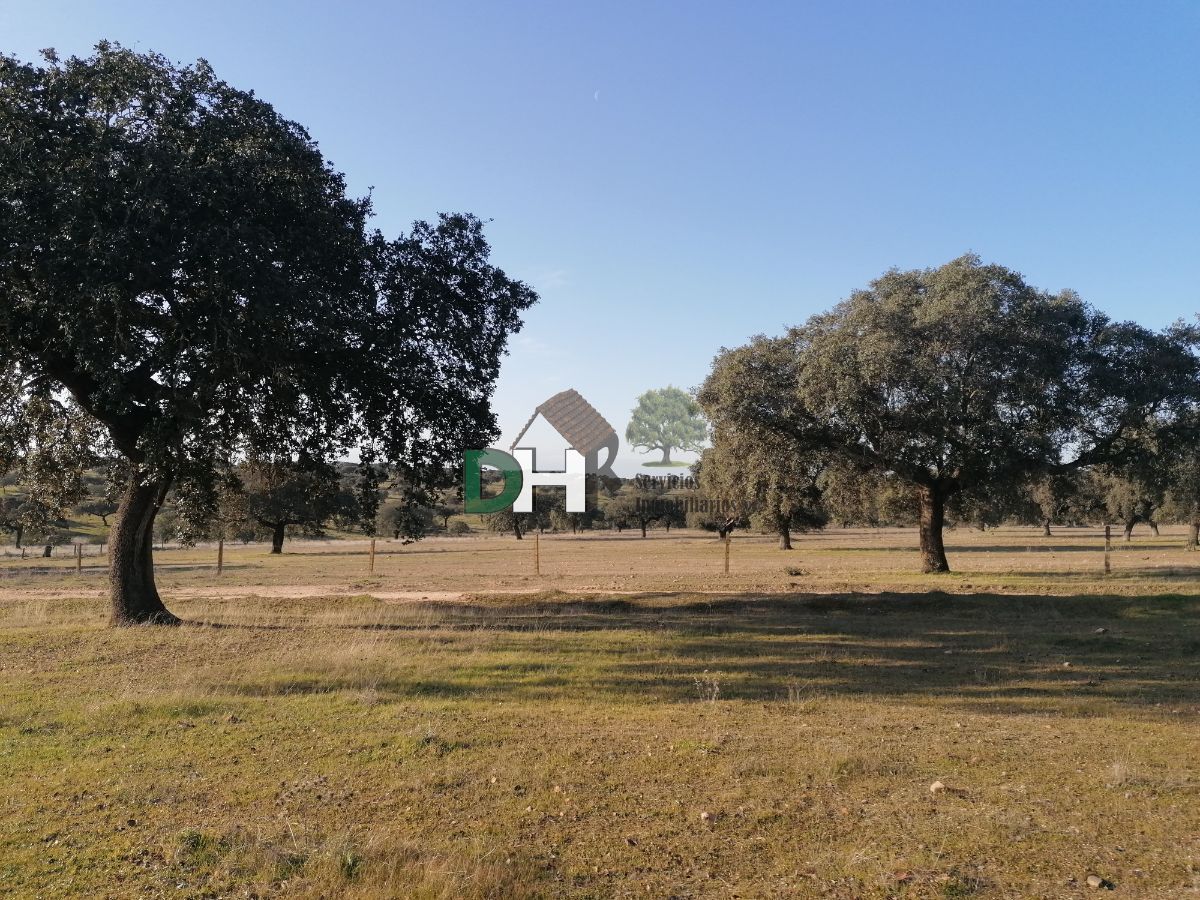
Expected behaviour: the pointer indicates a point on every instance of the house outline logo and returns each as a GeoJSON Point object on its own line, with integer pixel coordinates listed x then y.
{"type": "Point", "coordinates": [587, 434]}
{"type": "Point", "coordinates": [581, 426]}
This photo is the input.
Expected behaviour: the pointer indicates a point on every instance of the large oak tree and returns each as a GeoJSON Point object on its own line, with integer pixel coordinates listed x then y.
{"type": "Point", "coordinates": [179, 261]}
{"type": "Point", "coordinates": [960, 378]}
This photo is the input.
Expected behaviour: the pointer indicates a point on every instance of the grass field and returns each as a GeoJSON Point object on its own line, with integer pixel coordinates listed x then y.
{"type": "Point", "coordinates": [630, 722]}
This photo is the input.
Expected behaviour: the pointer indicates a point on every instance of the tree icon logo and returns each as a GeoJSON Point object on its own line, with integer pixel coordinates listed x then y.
{"type": "Point", "coordinates": [666, 419]}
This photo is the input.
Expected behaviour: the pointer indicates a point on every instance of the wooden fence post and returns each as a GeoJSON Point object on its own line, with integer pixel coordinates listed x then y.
{"type": "Point", "coordinates": [1107, 549]}
{"type": "Point", "coordinates": [79, 559]}
{"type": "Point", "coordinates": [537, 553]}
{"type": "Point", "coordinates": [726, 554]}
{"type": "Point", "coordinates": [220, 555]}
{"type": "Point", "coordinates": [371, 564]}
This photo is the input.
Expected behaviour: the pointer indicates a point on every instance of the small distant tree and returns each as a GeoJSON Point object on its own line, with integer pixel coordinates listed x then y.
{"type": "Point", "coordinates": [559, 519]}
{"type": "Point", "coordinates": [666, 419]}
{"type": "Point", "coordinates": [98, 507]}
{"type": "Point", "coordinates": [47, 446]}
{"type": "Point", "coordinates": [13, 517]}
{"type": "Point", "coordinates": [505, 521]}
{"type": "Point", "coordinates": [985, 506]}
{"type": "Point", "coordinates": [52, 536]}
{"type": "Point", "coordinates": [1183, 497]}
{"type": "Point", "coordinates": [407, 515]}
{"type": "Point", "coordinates": [217, 514]}
{"type": "Point", "coordinates": [286, 493]}
{"type": "Point", "coordinates": [448, 505]}
{"type": "Point", "coordinates": [762, 472]}
{"type": "Point", "coordinates": [636, 509]}
{"type": "Point", "coordinates": [1133, 495]}
{"type": "Point", "coordinates": [1065, 498]}
{"type": "Point", "coordinates": [167, 526]}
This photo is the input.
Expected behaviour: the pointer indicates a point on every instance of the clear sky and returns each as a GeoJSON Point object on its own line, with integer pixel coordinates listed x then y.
{"type": "Point", "coordinates": [676, 177]}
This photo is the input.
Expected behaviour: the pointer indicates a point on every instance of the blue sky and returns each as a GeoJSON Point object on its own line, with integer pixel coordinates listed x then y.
{"type": "Point", "coordinates": [674, 178]}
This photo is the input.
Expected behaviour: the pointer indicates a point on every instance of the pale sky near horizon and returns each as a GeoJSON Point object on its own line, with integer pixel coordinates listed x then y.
{"type": "Point", "coordinates": [674, 178]}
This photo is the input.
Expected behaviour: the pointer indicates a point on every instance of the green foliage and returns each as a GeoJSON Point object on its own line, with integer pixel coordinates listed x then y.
{"type": "Point", "coordinates": [181, 260]}
{"type": "Point", "coordinates": [666, 419]}
{"type": "Point", "coordinates": [407, 518]}
{"type": "Point", "coordinates": [641, 505]}
{"type": "Point", "coordinates": [957, 379]}
{"type": "Point", "coordinates": [47, 445]}
{"type": "Point", "coordinates": [854, 494]}
{"type": "Point", "coordinates": [284, 493]}
{"type": "Point", "coordinates": [761, 474]}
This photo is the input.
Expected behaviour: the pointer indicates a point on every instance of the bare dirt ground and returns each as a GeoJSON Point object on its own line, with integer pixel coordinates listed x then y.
{"type": "Point", "coordinates": [837, 560]}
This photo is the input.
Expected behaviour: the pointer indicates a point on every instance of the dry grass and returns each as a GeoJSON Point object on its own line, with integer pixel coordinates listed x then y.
{"type": "Point", "coordinates": [641, 726]}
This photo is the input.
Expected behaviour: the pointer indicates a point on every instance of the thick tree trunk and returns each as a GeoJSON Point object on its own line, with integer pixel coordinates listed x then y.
{"type": "Point", "coordinates": [1193, 535]}
{"type": "Point", "coordinates": [666, 455]}
{"type": "Point", "coordinates": [785, 537]}
{"type": "Point", "coordinates": [19, 530]}
{"type": "Point", "coordinates": [933, 520]}
{"type": "Point", "coordinates": [517, 529]}
{"type": "Point", "coordinates": [1129, 523]}
{"type": "Point", "coordinates": [643, 524]}
{"type": "Point", "coordinates": [1154, 528]}
{"type": "Point", "coordinates": [1046, 528]}
{"type": "Point", "coordinates": [135, 599]}
{"type": "Point", "coordinates": [47, 551]}
{"type": "Point", "coordinates": [278, 533]}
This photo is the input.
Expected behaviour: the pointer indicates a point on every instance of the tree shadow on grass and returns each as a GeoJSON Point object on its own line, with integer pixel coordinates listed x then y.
{"type": "Point", "coordinates": [998, 653]}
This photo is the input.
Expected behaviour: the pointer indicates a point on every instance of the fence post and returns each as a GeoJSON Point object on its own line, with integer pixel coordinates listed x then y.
{"type": "Point", "coordinates": [537, 553]}
{"type": "Point", "coordinates": [1107, 549]}
{"type": "Point", "coordinates": [79, 559]}
{"type": "Point", "coordinates": [220, 555]}
{"type": "Point", "coordinates": [726, 554]}
{"type": "Point", "coordinates": [371, 564]}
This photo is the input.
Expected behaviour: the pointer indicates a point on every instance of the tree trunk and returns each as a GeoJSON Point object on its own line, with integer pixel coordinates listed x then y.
{"type": "Point", "coordinates": [278, 533]}
{"type": "Point", "coordinates": [1154, 528]}
{"type": "Point", "coordinates": [1193, 535]}
{"type": "Point", "coordinates": [135, 599]}
{"type": "Point", "coordinates": [1046, 528]}
{"type": "Point", "coordinates": [1129, 523]}
{"type": "Point", "coordinates": [47, 551]}
{"type": "Point", "coordinates": [517, 528]}
{"type": "Point", "coordinates": [785, 537]}
{"type": "Point", "coordinates": [643, 524]}
{"type": "Point", "coordinates": [666, 455]}
{"type": "Point", "coordinates": [933, 519]}
{"type": "Point", "coordinates": [20, 532]}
